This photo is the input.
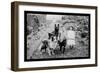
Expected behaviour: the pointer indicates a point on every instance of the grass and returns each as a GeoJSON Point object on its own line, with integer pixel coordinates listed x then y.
{"type": "Point", "coordinates": [79, 50]}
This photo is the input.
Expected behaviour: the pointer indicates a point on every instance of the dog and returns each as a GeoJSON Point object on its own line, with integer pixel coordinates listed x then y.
{"type": "Point", "coordinates": [62, 45]}
{"type": "Point", "coordinates": [46, 47]}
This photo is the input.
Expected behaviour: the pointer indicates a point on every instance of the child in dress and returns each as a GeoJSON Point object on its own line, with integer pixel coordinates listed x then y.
{"type": "Point", "coordinates": [71, 37]}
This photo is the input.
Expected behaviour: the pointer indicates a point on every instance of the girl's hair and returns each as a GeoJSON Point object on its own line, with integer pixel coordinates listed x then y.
{"type": "Point", "coordinates": [71, 27]}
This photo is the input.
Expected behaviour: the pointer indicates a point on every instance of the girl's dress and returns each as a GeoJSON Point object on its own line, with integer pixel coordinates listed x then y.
{"type": "Point", "coordinates": [70, 37]}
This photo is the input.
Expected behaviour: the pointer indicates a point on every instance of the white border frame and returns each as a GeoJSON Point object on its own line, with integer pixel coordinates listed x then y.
{"type": "Point", "coordinates": [23, 64]}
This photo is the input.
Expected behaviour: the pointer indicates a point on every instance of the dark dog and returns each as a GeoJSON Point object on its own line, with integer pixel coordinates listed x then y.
{"type": "Point", "coordinates": [45, 45]}
{"type": "Point", "coordinates": [62, 45]}
{"type": "Point", "coordinates": [56, 31]}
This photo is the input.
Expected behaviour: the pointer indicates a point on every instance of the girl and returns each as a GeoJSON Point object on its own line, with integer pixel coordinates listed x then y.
{"type": "Point", "coordinates": [71, 37]}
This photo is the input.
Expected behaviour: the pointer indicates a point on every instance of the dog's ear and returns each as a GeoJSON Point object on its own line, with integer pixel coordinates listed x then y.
{"type": "Point", "coordinates": [55, 25]}
{"type": "Point", "coordinates": [58, 25]}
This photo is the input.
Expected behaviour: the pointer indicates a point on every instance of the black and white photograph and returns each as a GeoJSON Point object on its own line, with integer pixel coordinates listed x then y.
{"type": "Point", "coordinates": [56, 36]}
{"type": "Point", "coordinates": [52, 36]}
